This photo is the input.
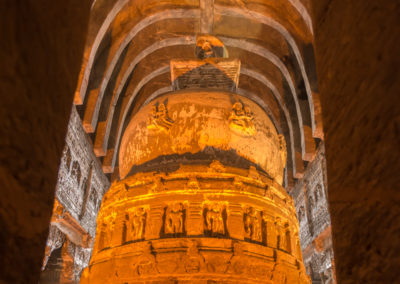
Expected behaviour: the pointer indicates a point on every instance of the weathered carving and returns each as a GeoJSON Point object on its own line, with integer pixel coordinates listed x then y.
{"type": "Point", "coordinates": [107, 231]}
{"type": "Point", "coordinates": [214, 218]}
{"type": "Point", "coordinates": [174, 219]}
{"type": "Point", "coordinates": [193, 183]}
{"type": "Point", "coordinates": [279, 275]}
{"type": "Point", "coordinates": [193, 261]}
{"type": "Point", "coordinates": [146, 264]}
{"type": "Point", "coordinates": [217, 167]}
{"type": "Point", "coordinates": [300, 214]}
{"type": "Point", "coordinates": [252, 224]}
{"type": "Point", "coordinates": [237, 264]}
{"type": "Point", "coordinates": [67, 158]}
{"type": "Point", "coordinates": [284, 238]}
{"type": "Point", "coordinates": [135, 224]}
{"type": "Point", "coordinates": [241, 120]}
{"type": "Point", "coordinates": [159, 119]}
{"type": "Point", "coordinates": [76, 171]}
{"type": "Point", "coordinates": [158, 185]}
{"type": "Point", "coordinates": [282, 148]}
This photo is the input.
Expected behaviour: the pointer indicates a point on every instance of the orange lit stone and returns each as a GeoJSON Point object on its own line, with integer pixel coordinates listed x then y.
{"type": "Point", "coordinates": [196, 203]}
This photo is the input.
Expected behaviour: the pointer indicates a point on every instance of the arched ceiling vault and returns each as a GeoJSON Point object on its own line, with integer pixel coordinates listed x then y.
{"type": "Point", "coordinates": [131, 42]}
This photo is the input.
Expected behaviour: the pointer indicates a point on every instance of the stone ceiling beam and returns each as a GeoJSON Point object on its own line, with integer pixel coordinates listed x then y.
{"type": "Point", "coordinates": [91, 51]}
{"type": "Point", "coordinates": [166, 14]}
{"type": "Point", "coordinates": [91, 117]}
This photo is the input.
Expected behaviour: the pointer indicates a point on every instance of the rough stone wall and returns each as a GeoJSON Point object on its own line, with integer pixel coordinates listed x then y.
{"type": "Point", "coordinates": [310, 197]}
{"type": "Point", "coordinates": [41, 50]}
{"type": "Point", "coordinates": [358, 60]}
{"type": "Point", "coordinates": [80, 188]}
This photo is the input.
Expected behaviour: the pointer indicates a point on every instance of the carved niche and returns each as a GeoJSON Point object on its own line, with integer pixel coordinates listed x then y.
{"type": "Point", "coordinates": [214, 219]}
{"type": "Point", "coordinates": [107, 231]}
{"type": "Point", "coordinates": [135, 221]}
{"type": "Point", "coordinates": [241, 120]}
{"type": "Point", "coordinates": [284, 237]}
{"type": "Point", "coordinates": [174, 219]}
{"type": "Point", "coordinates": [252, 224]}
{"type": "Point", "coordinates": [159, 119]}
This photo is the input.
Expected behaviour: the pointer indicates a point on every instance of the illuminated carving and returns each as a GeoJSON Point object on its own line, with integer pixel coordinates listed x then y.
{"type": "Point", "coordinates": [282, 148]}
{"type": "Point", "coordinates": [107, 231]}
{"type": "Point", "coordinates": [241, 120]}
{"type": "Point", "coordinates": [252, 224]}
{"type": "Point", "coordinates": [237, 263]}
{"type": "Point", "coordinates": [193, 261]}
{"type": "Point", "coordinates": [174, 219]}
{"type": "Point", "coordinates": [207, 218]}
{"type": "Point", "coordinates": [214, 219]}
{"type": "Point", "coordinates": [135, 222]}
{"type": "Point", "coordinates": [146, 264]}
{"type": "Point", "coordinates": [159, 119]}
{"type": "Point", "coordinates": [217, 167]}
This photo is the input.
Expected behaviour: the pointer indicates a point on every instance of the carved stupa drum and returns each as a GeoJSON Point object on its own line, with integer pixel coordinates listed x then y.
{"type": "Point", "coordinates": [200, 199]}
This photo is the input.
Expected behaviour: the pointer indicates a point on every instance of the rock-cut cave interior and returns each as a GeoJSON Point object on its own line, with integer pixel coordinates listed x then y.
{"type": "Point", "coordinates": [200, 141]}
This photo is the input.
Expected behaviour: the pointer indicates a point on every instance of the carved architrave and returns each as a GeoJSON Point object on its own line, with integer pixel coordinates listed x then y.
{"type": "Point", "coordinates": [241, 120]}
{"type": "Point", "coordinates": [159, 119]}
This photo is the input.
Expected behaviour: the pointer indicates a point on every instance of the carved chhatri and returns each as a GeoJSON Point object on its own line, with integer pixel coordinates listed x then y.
{"type": "Point", "coordinates": [195, 203]}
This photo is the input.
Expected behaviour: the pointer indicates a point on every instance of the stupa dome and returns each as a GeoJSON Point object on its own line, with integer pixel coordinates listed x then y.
{"type": "Point", "coordinates": [204, 124]}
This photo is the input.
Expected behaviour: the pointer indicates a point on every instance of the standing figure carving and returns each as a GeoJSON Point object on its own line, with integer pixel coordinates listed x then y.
{"type": "Point", "coordinates": [107, 230]}
{"type": "Point", "coordinates": [241, 120]}
{"type": "Point", "coordinates": [252, 224]}
{"type": "Point", "coordinates": [136, 223]}
{"type": "Point", "coordinates": [214, 219]}
{"type": "Point", "coordinates": [174, 219]}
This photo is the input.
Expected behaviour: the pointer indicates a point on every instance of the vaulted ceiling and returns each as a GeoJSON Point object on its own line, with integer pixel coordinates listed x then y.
{"type": "Point", "coordinates": [130, 44]}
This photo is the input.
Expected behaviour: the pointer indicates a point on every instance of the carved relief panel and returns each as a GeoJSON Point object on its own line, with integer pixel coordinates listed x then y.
{"type": "Point", "coordinates": [241, 120]}
{"type": "Point", "coordinates": [134, 225]}
{"type": "Point", "coordinates": [107, 231]}
{"type": "Point", "coordinates": [252, 224]}
{"type": "Point", "coordinates": [159, 119]}
{"type": "Point", "coordinates": [174, 218]}
{"type": "Point", "coordinates": [214, 219]}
